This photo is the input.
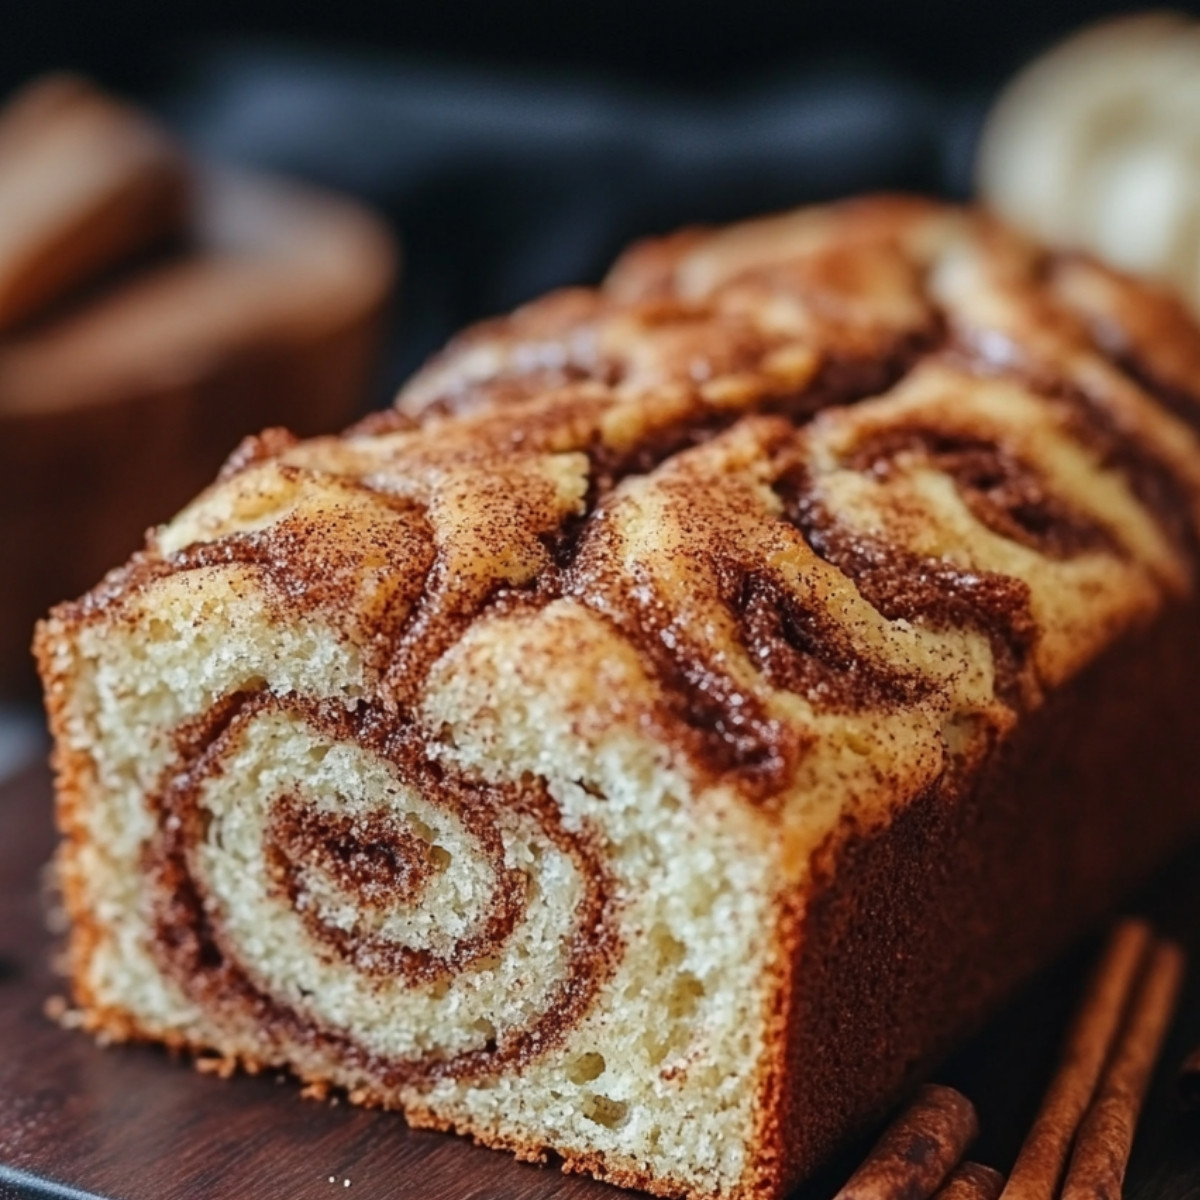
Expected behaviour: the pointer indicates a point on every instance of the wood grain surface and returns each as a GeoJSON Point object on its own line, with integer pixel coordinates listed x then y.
{"type": "Point", "coordinates": [131, 1124]}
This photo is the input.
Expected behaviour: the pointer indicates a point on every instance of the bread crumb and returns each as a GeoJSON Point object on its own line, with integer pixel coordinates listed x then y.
{"type": "Point", "coordinates": [219, 1065]}
{"type": "Point", "coordinates": [63, 1013]}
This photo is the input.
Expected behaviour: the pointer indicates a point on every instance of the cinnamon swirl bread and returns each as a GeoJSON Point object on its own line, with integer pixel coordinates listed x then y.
{"type": "Point", "coordinates": [688, 711]}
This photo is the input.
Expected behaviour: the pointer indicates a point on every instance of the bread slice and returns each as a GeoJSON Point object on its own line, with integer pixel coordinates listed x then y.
{"type": "Point", "coordinates": [657, 739]}
{"type": "Point", "coordinates": [85, 182]}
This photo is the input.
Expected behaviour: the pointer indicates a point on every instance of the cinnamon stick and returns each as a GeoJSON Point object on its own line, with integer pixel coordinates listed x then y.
{"type": "Point", "coordinates": [1105, 1138]}
{"type": "Point", "coordinates": [918, 1150]}
{"type": "Point", "coordinates": [1189, 1079]}
{"type": "Point", "coordinates": [972, 1181]}
{"type": "Point", "coordinates": [1039, 1166]}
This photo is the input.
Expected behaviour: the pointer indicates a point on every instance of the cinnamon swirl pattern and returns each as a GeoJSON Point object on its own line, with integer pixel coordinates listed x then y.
{"type": "Point", "coordinates": [488, 760]}
{"type": "Point", "coordinates": [416, 882]}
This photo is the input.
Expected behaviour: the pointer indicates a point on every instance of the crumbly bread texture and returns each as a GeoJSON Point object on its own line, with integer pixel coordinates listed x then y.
{"type": "Point", "coordinates": [687, 712]}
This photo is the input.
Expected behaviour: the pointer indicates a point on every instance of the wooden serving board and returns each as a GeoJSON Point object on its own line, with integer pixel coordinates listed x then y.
{"type": "Point", "coordinates": [131, 1124]}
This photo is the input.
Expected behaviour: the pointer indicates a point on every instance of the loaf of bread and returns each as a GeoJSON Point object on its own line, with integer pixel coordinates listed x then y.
{"type": "Point", "coordinates": [691, 709]}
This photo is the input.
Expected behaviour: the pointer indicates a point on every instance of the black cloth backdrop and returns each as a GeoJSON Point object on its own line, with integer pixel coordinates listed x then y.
{"type": "Point", "coordinates": [502, 185]}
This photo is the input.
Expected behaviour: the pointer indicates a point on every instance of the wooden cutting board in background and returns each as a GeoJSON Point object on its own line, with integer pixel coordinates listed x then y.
{"type": "Point", "coordinates": [131, 1124]}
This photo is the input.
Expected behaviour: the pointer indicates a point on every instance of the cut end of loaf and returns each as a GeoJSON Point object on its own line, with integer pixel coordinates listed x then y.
{"type": "Point", "coordinates": [302, 884]}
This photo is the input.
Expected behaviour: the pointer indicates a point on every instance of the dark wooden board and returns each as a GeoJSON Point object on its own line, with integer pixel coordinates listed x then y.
{"type": "Point", "coordinates": [131, 1124]}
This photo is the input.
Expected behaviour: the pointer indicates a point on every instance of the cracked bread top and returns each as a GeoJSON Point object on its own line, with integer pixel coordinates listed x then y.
{"type": "Point", "coordinates": [820, 503]}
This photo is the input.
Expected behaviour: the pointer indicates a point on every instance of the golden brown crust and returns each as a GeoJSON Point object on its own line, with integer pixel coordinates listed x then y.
{"type": "Point", "coordinates": [920, 928]}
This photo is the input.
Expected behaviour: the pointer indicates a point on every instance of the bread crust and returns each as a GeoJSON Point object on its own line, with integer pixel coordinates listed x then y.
{"type": "Point", "coordinates": [981, 880]}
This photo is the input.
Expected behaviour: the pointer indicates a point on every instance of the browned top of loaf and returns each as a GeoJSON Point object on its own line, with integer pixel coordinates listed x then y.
{"type": "Point", "coordinates": [870, 477]}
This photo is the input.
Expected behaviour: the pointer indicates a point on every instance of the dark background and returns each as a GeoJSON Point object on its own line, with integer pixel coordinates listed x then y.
{"type": "Point", "coordinates": [517, 145]}
{"type": "Point", "coordinates": [136, 44]}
